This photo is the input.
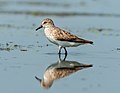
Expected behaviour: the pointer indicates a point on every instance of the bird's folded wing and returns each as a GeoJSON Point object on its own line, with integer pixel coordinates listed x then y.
{"type": "Point", "coordinates": [62, 35]}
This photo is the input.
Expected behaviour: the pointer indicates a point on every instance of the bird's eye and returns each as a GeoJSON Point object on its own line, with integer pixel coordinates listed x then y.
{"type": "Point", "coordinates": [44, 22]}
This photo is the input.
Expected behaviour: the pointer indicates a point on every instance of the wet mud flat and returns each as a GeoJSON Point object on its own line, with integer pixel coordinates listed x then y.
{"type": "Point", "coordinates": [25, 53]}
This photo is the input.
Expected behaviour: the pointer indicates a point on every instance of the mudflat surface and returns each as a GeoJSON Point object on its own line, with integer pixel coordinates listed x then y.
{"type": "Point", "coordinates": [25, 53]}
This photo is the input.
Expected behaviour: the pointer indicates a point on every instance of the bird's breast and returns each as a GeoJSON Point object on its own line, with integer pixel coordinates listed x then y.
{"type": "Point", "coordinates": [49, 34]}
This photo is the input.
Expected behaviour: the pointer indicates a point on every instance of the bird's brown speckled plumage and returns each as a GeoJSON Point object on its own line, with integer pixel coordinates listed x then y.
{"type": "Point", "coordinates": [62, 35]}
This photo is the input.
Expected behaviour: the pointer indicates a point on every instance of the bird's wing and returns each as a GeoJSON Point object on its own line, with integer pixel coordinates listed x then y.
{"type": "Point", "coordinates": [62, 35]}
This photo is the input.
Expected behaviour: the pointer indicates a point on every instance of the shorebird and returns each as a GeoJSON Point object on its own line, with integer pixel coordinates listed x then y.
{"type": "Point", "coordinates": [60, 37]}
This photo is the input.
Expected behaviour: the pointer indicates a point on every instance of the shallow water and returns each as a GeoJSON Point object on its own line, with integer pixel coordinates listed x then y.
{"type": "Point", "coordinates": [25, 53]}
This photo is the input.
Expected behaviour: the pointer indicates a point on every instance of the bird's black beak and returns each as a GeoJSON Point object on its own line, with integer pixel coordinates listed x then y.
{"type": "Point", "coordinates": [39, 27]}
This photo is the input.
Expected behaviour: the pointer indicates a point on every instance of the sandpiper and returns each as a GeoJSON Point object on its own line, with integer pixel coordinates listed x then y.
{"type": "Point", "coordinates": [60, 37]}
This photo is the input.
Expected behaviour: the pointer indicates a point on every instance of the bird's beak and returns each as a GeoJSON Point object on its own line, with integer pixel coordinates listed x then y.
{"type": "Point", "coordinates": [39, 27]}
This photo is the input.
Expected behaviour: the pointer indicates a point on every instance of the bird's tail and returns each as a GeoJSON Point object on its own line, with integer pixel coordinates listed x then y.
{"type": "Point", "coordinates": [87, 41]}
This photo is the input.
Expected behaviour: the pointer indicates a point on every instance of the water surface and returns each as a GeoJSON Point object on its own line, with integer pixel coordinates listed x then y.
{"type": "Point", "coordinates": [25, 53]}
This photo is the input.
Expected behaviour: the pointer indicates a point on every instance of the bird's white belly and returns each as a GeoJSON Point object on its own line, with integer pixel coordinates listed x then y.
{"type": "Point", "coordinates": [67, 43]}
{"type": "Point", "coordinates": [63, 43]}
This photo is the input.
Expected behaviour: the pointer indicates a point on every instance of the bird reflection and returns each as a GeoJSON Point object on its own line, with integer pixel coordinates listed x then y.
{"type": "Point", "coordinates": [60, 69]}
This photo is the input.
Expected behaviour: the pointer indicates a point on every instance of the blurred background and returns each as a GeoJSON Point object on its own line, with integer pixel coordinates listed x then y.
{"type": "Point", "coordinates": [25, 53]}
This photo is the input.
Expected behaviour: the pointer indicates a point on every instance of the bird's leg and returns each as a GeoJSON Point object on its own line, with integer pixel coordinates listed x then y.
{"type": "Point", "coordinates": [65, 51]}
{"type": "Point", "coordinates": [62, 59]}
{"type": "Point", "coordinates": [65, 56]}
{"type": "Point", "coordinates": [59, 51]}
